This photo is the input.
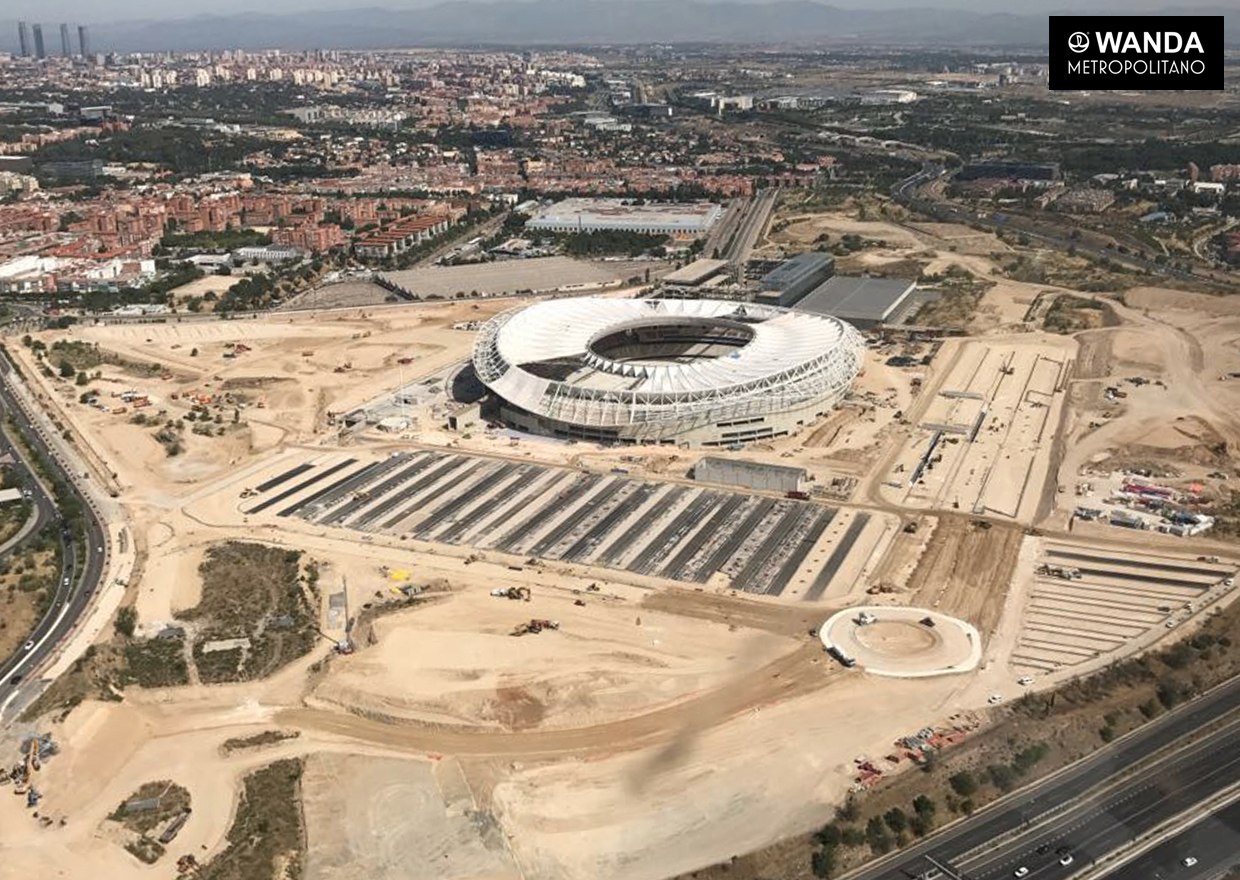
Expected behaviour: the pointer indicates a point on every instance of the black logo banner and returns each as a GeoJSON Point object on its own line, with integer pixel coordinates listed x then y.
{"type": "Point", "coordinates": [1136, 52]}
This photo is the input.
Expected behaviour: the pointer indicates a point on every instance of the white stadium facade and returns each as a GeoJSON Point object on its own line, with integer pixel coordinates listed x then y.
{"type": "Point", "coordinates": [692, 372]}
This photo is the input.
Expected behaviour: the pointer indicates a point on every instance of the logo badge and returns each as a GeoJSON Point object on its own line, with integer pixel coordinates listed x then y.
{"type": "Point", "coordinates": [1138, 52]}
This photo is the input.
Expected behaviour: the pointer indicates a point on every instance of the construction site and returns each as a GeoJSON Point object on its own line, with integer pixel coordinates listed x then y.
{"type": "Point", "coordinates": [516, 655]}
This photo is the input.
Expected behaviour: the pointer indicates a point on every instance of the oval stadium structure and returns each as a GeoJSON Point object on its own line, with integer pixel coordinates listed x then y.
{"type": "Point", "coordinates": [696, 372]}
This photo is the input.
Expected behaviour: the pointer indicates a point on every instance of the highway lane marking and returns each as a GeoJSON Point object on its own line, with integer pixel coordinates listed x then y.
{"type": "Point", "coordinates": [1104, 812]}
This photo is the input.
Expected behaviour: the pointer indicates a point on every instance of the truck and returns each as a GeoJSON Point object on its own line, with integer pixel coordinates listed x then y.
{"type": "Point", "coordinates": [844, 659]}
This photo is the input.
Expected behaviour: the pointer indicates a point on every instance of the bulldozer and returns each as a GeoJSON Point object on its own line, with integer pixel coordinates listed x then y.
{"type": "Point", "coordinates": [515, 593]}
{"type": "Point", "coordinates": [534, 626]}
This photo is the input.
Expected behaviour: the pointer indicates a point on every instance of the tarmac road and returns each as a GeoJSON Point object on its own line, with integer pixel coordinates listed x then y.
{"type": "Point", "coordinates": [1213, 841]}
{"type": "Point", "coordinates": [1102, 825]}
{"type": "Point", "coordinates": [905, 192]}
{"type": "Point", "coordinates": [77, 583]}
{"type": "Point", "coordinates": [1014, 828]}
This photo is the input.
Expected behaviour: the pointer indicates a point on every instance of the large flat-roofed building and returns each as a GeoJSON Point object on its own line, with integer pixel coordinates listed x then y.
{"type": "Point", "coordinates": [862, 302]}
{"type": "Point", "coordinates": [695, 273]}
{"type": "Point", "coordinates": [1009, 169]}
{"type": "Point", "coordinates": [749, 474]}
{"type": "Point", "coordinates": [793, 279]}
{"type": "Point", "coordinates": [677, 219]}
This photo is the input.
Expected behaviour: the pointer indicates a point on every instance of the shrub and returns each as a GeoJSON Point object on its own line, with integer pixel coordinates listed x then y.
{"type": "Point", "coordinates": [963, 783]}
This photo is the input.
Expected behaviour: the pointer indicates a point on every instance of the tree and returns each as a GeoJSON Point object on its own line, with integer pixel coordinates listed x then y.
{"type": "Point", "coordinates": [963, 783]}
{"type": "Point", "coordinates": [896, 820]}
{"type": "Point", "coordinates": [924, 806]}
{"type": "Point", "coordinates": [82, 379]}
{"type": "Point", "coordinates": [822, 862]}
{"type": "Point", "coordinates": [193, 352]}
{"type": "Point", "coordinates": [877, 837]}
{"type": "Point", "coordinates": [126, 621]}
{"type": "Point", "coordinates": [828, 835]}
{"type": "Point", "coordinates": [66, 370]}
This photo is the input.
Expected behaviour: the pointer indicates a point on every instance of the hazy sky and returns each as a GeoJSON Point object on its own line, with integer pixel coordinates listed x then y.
{"type": "Point", "coordinates": [52, 12]}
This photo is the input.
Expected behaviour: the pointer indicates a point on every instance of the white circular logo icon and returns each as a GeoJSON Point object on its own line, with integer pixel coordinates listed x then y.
{"type": "Point", "coordinates": [1079, 41]}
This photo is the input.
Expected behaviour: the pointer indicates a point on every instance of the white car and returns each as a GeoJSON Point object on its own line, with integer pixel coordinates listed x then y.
{"type": "Point", "coordinates": [1025, 680]}
{"type": "Point", "coordinates": [1022, 871]}
{"type": "Point", "coordinates": [29, 646]}
{"type": "Point", "coordinates": [1188, 862]}
{"type": "Point", "coordinates": [1066, 859]}
{"type": "Point", "coordinates": [995, 699]}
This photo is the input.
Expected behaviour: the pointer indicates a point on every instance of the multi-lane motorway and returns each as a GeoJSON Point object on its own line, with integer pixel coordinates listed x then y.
{"type": "Point", "coordinates": [1092, 807]}
{"type": "Point", "coordinates": [905, 192]}
{"type": "Point", "coordinates": [1208, 848]}
{"type": "Point", "coordinates": [77, 582]}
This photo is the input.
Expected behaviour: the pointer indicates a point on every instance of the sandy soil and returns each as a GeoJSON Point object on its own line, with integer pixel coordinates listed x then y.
{"type": "Point", "coordinates": [658, 730]}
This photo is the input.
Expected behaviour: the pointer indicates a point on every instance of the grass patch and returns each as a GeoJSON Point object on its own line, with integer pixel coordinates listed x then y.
{"type": "Point", "coordinates": [146, 813]}
{"type": "Point", "coordinates": [153, 663]}
{"type": "Point", "coordinates": [258, 740]}
{"type": "Point", "coordinates": [88, 356]}
{"type": "Point", "coordinates": [960, 293]}
{"type": "Point", "coordinates": [266, 840]}
{"type": "Point", "coordinates": [104, 671]}
{"type": "Point", "coordinates": [255, 592]}
{"type": "Point", "coordinates": [1072, 314]}
{"type": "Point", "coordinates": [171, 800]}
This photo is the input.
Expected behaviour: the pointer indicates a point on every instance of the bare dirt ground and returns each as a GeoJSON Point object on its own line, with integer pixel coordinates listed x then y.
{"type": "Point", "coordinates": [659, 729]}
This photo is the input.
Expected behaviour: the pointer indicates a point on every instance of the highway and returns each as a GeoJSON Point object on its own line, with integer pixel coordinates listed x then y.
{"type": "Point", "coordinates": [750, 226]}
{"type": "Point", "coordinates": [77, 582]}
{"type": "Point", "coordinates": [1213, 841]}
{"type": "Point", "coordinates": [905, 192]}
{"type": "Point", "coordinates": [1067, 808]}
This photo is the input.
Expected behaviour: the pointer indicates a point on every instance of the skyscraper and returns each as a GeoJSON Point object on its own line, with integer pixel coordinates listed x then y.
{"type": "Point", "coordinates": [23, 37]}
{"type": "Point", "coordinates": [65, 49]}
{"type": "Point", "coordinates": [83, 41]}
{"type": "Point", "coordinates": [39, 51]}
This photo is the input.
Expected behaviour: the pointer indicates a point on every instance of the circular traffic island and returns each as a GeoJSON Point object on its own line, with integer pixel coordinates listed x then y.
{"type": "Point", "coordinates": [902, 642]}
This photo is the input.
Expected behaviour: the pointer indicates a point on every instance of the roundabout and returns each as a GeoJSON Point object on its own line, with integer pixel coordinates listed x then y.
{"type": "Point", "coordinates": [902, 642]}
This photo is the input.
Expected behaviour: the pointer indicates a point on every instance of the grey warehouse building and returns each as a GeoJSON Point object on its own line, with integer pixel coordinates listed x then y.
{"type": "Point", "coordinates": [791, 280]}
{"type": "Point", "coordinates": [862, 302]}
{"type": "Point", "coordinates": [749, 474]}
{"type": "Point", "coordinates": [678, 219]}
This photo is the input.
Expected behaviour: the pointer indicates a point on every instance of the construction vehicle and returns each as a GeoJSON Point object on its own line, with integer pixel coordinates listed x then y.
{"type": "Point", "coordinates": [1062, 572]}
{"type": "Point", "coordinates": [514, 593]}
{"type": "Point", "coordinates": [843, 658]}
{"type": "Point", "coordinates": [25, 784]}
{"type": "Point", "coordinates": [188, 865]}
{"type": "Point", "coordinates": [534, 626]}
{"type": "Point", "coordinates": [865, 618]}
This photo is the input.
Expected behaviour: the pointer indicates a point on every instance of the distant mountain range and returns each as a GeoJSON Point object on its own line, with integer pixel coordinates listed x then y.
{"type": "Point", "coordinates": [580, 22]}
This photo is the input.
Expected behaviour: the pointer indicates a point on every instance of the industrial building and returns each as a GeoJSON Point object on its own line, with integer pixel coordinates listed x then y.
{"type": "Point", "coordinates": [695, 273]}
{"type": "Point", "coordinates": [693, 372]}
{"type": "Point", "coordinates": [1009, 169]}
{"type": "Point", "coordinates": [679, 219]}
{"type": "Point", "coordinates": [788, 283]}
{"type": "Point", "coordinates": [862, 302]}
{"type": "Point", "coordinates": [749, 474]}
